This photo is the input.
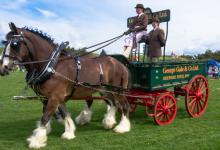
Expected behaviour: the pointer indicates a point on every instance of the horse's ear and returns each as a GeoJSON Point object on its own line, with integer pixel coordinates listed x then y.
{"type": "Point", "coordinates": [13, 27]}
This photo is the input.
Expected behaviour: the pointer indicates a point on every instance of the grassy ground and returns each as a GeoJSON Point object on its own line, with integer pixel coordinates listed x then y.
{"type": "Point", "coordinates": [18, 119]}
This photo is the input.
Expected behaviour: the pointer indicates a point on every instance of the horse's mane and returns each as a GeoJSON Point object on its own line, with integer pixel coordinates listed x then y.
{"type": "Point", "coordinates": [40, 33]}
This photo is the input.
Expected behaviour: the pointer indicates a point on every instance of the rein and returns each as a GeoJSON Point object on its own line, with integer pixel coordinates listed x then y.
{"type": "Point", "coordinates": [109, 42]}
{"type": "Point", "coordinates": [112, 39]}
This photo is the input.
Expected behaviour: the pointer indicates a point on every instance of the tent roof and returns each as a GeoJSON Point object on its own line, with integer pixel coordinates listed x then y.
{"type": "Point", "coordinates": [213, 62]}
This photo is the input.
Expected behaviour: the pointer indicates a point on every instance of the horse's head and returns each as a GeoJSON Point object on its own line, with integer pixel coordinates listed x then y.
{"type": "Point", "coordinates": [15, 49]}
{"type": "Point", "coordinates": [20, 45]}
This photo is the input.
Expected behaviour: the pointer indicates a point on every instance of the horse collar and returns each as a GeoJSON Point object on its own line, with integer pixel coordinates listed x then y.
{"type": "Point", "coordinates": [36, 78]}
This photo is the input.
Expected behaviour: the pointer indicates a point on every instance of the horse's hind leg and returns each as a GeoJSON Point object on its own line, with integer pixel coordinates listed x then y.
{"type": "Point", "coordinates": [85, 115]}
{"type": "Point", "coordinates": [124, 125]}
{"type": "Point", "coordinates": [109, 118]}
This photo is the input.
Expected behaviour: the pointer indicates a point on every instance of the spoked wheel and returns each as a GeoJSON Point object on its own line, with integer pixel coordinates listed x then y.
{"type": "Point", "coordinates": [165, 109]}
{"type": "Point", "coordinates": [197, 93]}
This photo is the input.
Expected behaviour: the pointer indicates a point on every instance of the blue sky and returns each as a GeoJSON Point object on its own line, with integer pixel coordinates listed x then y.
{"type": "Point", "coordinates": [194, 25]}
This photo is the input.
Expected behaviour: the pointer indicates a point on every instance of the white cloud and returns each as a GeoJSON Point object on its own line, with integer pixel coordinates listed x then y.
{"type": "Point", "coordinates": [15, 5]}
{"type": "Point", "coordinates": [60, 30]}
{"type": "Point", "coordinates": [46, 13]}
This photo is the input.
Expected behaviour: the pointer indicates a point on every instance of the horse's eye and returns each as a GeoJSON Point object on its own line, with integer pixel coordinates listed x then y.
{"type": "Point", "coordinates": [15, 43]}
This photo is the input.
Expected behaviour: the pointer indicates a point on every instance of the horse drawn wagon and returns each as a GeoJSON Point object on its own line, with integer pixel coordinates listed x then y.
{"type": "Point", "coordinates": [58, 76]}
{"type": "Point", "coordinates": [157, 86]}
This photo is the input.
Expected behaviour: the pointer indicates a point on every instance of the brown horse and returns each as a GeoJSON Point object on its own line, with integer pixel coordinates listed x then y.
{"type": "Point", "coordinates": [25, 45]}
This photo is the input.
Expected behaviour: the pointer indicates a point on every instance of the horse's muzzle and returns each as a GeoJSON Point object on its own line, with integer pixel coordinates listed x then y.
{"type": "Point", "coordinates": [4, 70]}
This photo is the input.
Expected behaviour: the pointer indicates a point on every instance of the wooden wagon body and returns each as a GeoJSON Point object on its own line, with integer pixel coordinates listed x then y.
{"type": "Point", "coordinates": [158, 86]}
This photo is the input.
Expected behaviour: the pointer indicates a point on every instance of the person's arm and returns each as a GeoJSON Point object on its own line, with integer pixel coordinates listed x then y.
{"type": "Point", "coordinates": [131, 28]}
{"type": "Point", "coordinates": [143, 25]}
{"type": "Point", "coordinates": [161, 37]}
{"type": "Point", "coordinates": [133, 23]}
{"type": "Point", "coordinates": [145, 39]}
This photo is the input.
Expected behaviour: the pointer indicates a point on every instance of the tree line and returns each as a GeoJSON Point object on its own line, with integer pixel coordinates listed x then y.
{"type": "Point", "coordinates": [208, 54]}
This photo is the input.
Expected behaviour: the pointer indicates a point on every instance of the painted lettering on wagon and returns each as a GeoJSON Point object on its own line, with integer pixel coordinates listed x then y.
{"type": "Point", "coordinates": [180, 69]}
{"type": "Point", "coordinates": [173, 77]}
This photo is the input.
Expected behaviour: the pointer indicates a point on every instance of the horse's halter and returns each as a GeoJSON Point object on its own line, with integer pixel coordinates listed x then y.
{"type": "Point", "coordinates": [15, 42]}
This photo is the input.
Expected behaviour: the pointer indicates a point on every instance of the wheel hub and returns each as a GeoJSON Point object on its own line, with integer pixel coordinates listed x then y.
{"type": "Point", "coordinates": [167, 109]}
{"type": "Point", "coordinates": [199, 95]}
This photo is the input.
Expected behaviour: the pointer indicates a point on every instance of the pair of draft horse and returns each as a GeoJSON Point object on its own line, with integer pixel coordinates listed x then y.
{"type": "Point", "coordinates": [25, 45]}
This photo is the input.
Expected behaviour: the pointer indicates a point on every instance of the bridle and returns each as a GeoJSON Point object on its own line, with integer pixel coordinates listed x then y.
{"type": "Point", "coordinates": [15, 42]}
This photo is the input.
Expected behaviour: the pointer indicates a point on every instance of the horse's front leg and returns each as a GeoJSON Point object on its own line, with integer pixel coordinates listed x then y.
{"type": "Point", "coordinates": [39, 137]}
{"type": "Point", "coordinates": [63, 116]}
{"type": "Point", "coordinates": [59, 115]}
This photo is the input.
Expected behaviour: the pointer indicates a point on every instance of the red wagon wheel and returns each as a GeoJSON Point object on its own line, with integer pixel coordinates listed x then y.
{"type": "Point", "coordinates": [165, 109]}
{"type": "Point", "coordinates": [197, 93]}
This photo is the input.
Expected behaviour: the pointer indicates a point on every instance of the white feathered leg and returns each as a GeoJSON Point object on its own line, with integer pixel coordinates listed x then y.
{"type": "Point", "coordinates": [123, 126]}
{"type": "Point", "coordinates": [109, 119]}
{"type": "Point", "coordinates": [84, 117]}
{"type": "Point", "coordinates": [39, 137]}
{"type": "Point", "coordinates": [69, 128]}
{"type": "Point", "coordinates": [48, 126]}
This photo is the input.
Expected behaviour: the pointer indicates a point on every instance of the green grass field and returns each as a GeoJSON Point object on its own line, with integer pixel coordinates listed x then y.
{"type": "Point", "coordinates": [18, 119]}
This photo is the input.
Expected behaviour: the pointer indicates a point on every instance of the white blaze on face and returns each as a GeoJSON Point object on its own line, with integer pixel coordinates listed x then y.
{"type": "Point", "coordinates": [1, 56]}
{"type": "Point", "coordinates": [7, 52]}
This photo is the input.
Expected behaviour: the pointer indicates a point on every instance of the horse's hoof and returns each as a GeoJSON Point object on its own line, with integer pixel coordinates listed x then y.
{"type": "Point", "coordinates": [36, 143]}
{"type": "Point", "coordinates": [84, 117]}
{"type": "Point", "coordinates": [121, 129]}
{"type": "Point", "coordinates": [124, 126]}
{"type": "Point", "coordinates": [68, 136]}
{"type": "Point", "coordinates": [109, 123]}
{"type": "Point", "coordinates": [38, 139]}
